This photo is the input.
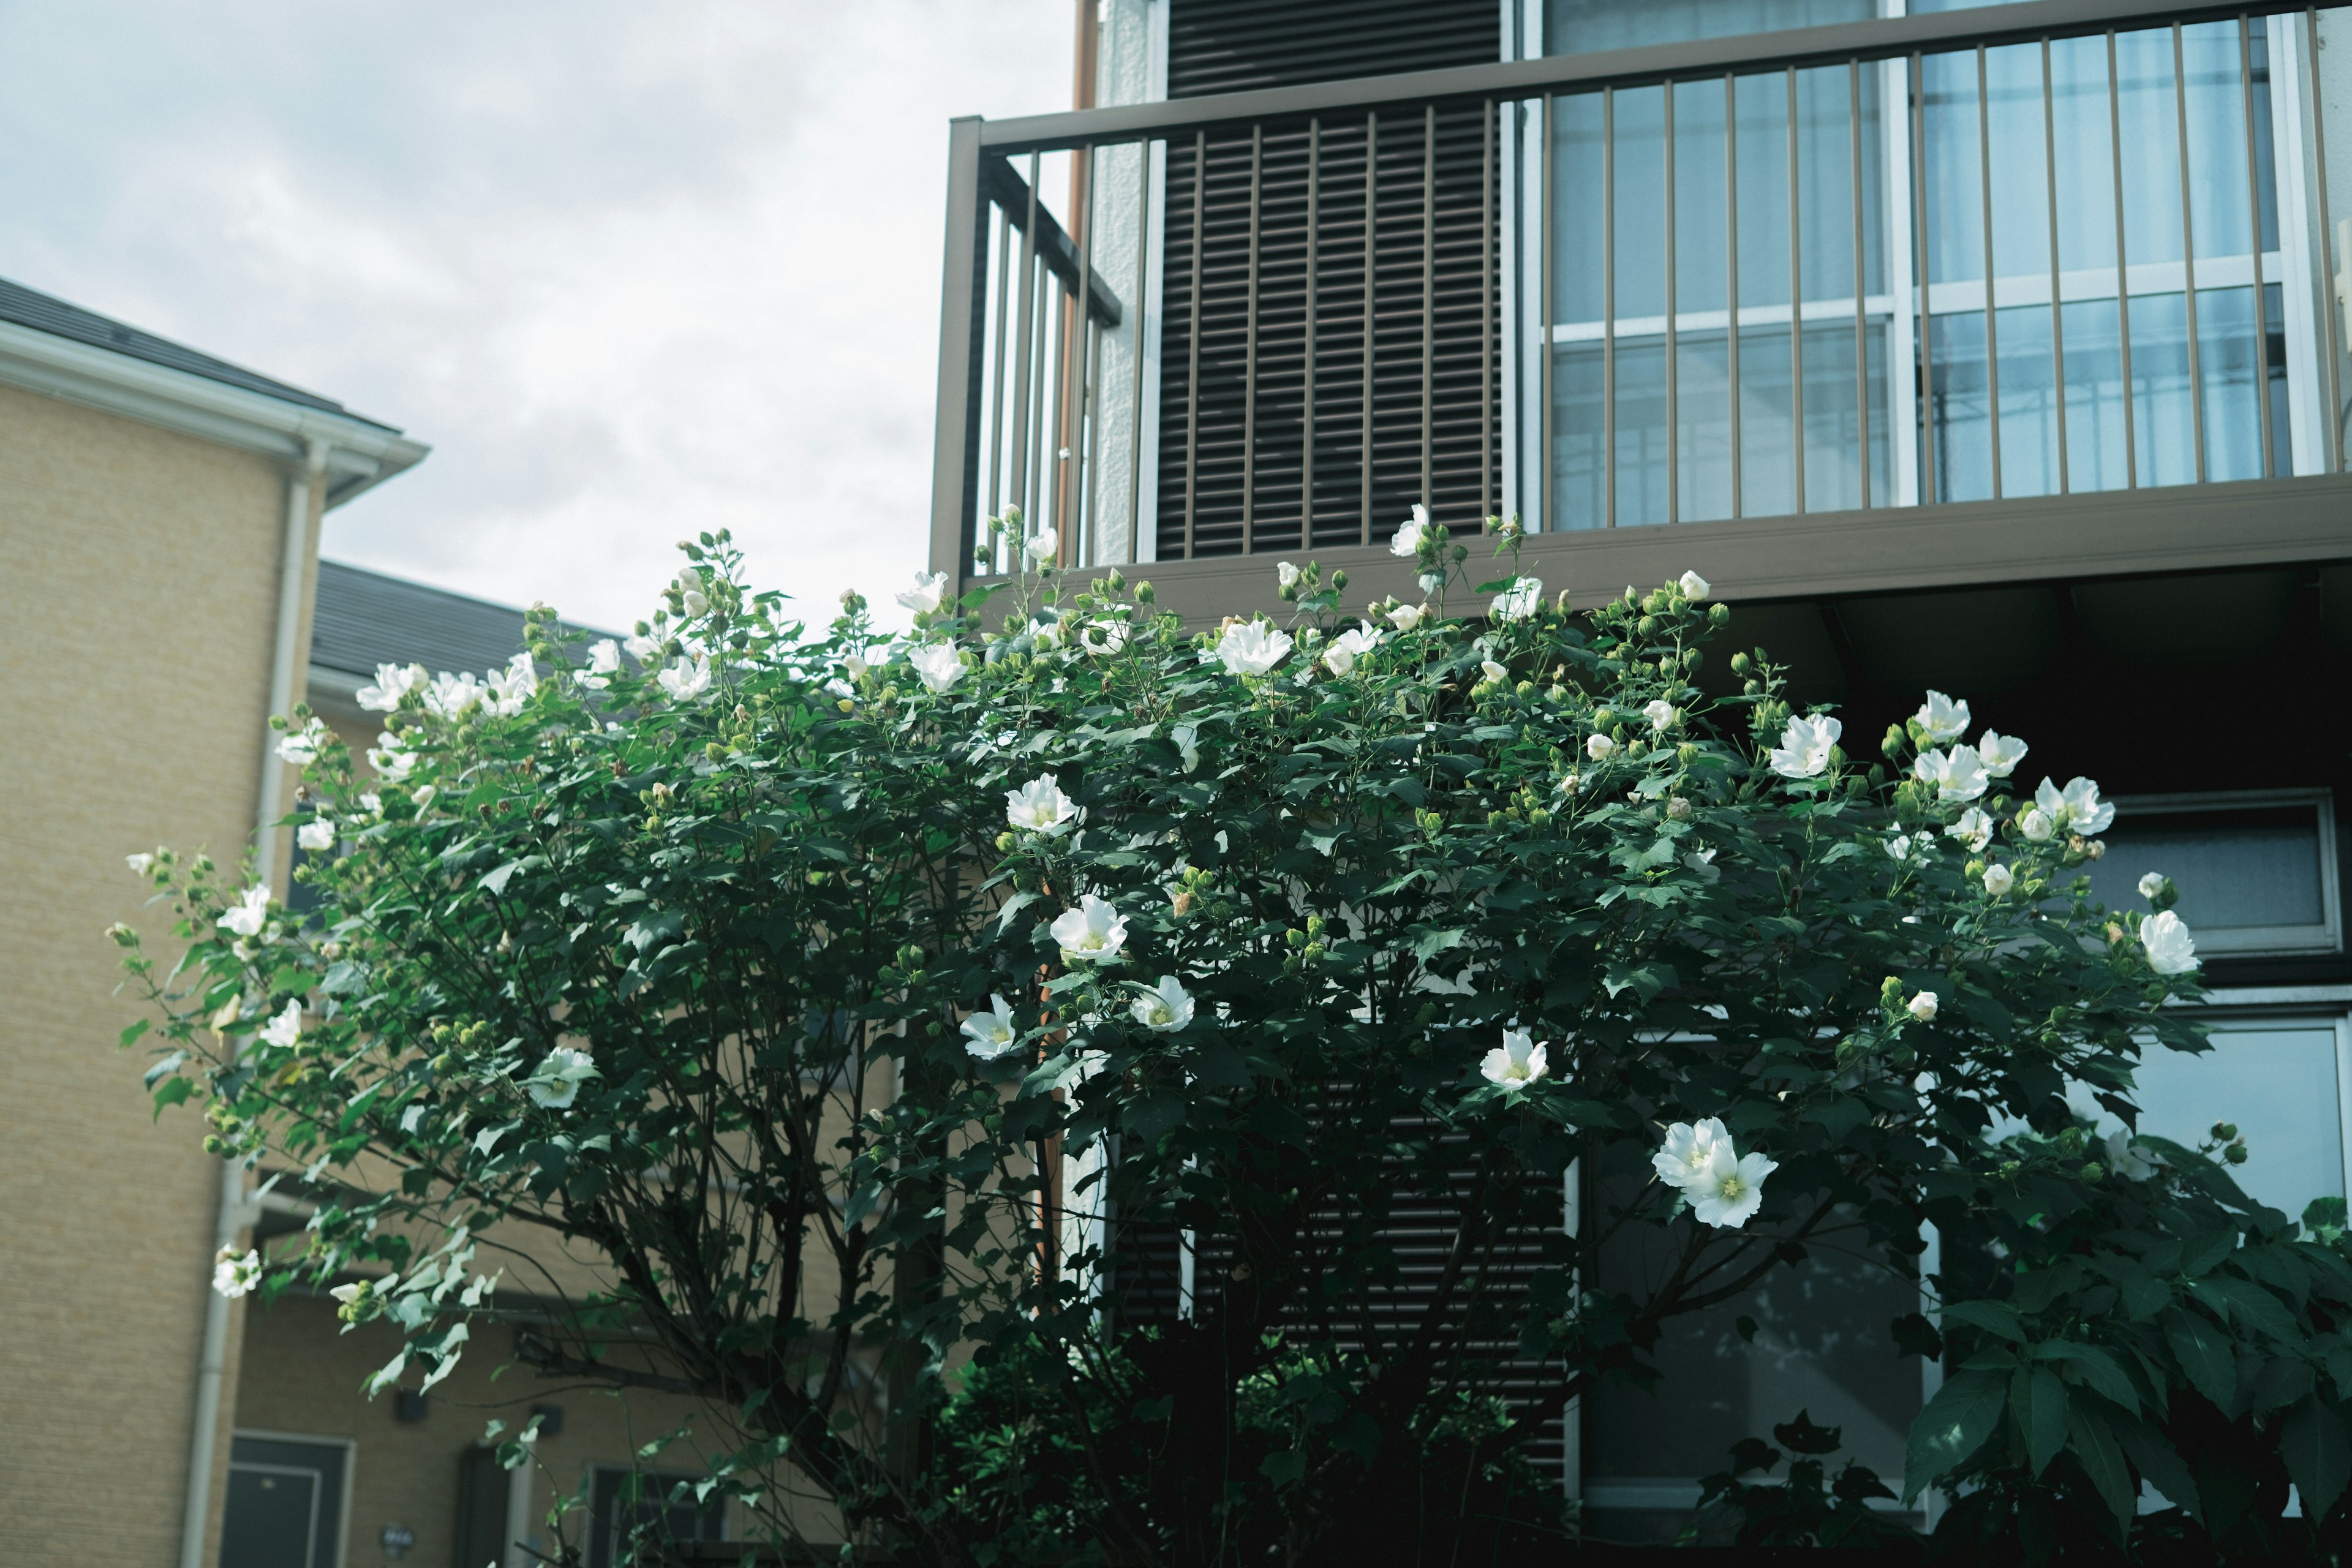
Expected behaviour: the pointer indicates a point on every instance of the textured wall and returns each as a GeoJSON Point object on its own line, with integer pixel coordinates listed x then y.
{"type": "Point", "coordinates": [141, 572]}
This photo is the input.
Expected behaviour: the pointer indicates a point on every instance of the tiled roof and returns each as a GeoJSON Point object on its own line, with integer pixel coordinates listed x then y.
{"type": "Point", "coordinates": [365, 618]}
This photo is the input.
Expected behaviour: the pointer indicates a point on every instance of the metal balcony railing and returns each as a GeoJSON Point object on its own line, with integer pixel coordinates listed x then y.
{"type": "Point", "coordinates": [2021, 274]}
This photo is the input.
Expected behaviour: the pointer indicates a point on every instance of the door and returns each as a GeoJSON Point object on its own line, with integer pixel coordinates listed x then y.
{"type": "Point", "coordinates": [285, 1503]}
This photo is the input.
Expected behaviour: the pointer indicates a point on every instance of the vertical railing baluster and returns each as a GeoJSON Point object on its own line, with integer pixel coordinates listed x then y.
{"type": "Point", "coordinates": [963, 327]}
{"type": "Point", "coordinates": [1193, 345]}
{"type": "Point", "coordinates": [1544, 261]}
{"type": "Point", "coordinates": [1487, 319]}
{"type": "Point", "coordinates": [2188, 251]}
{"type": "Point", "coordinates": [996, 377]}
{"type": "Point", "coordinates": [1984, 204]}
{"type": "Point", "coordinates": [2254, 243]}
{"type": "Point", "coordinates": [2122, 271]}
{"type": "Point", "coordinates": [1371, 272]}
{"type": "Point", "coordinates": [1608, 305]}
{"type": "Point", "coordinates": [1731, 276]}
{"type": "Point", "coordinates": [1861, 273]}
{"type": "Point", "coordinates": [1314, 306]}
{"type": "Point", "coordinates": [1053, 351]}
{"type": "Point", "coordinates": [1142, 293]}
{"type": "Point", "coordinates": [1020, 354]}
{"type": "Point", "coordinates": [2057, 310]}
{"type": "Point", "coordinates": [1674, 400]}
{"type": "Point", "coordinates": [1796, 310]}
{"type": "Point", "coordinates": [1249, 348]}
{"type": "Point", "coordinates": [1428, 299]}
{"type": "Point", "coordinates": [1087, 519]}
{"type": "Point", "coordinates": [1074, 490]}
{"type": "Point", "coordinates": [2328, 259]}
{"type": "Point", "coordinates": [1923, 352]}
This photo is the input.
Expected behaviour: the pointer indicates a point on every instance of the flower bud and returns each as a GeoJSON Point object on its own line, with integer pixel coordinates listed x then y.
{"type": "Point", "coordinates": [1143, 593]}
{"type": "Point", "coordinates": [2235, 1153]}
{"type": "Point", "coordinates": [1740, 664]}
{"type": "Point", "coordinates": [2094, 1171]}
{"type": "Point", "coordinates": [1004, 843]}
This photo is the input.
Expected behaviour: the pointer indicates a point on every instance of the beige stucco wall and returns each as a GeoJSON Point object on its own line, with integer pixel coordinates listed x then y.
{"type": "Point", "coordinates": [141, 570]}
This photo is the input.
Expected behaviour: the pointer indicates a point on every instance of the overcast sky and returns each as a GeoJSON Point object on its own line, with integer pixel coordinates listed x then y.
{"type": "Point", "coordinates": [632, 269]}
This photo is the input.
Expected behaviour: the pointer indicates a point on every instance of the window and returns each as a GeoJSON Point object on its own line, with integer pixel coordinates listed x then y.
{"type": "Point", "coordinates": [2256, 873]}
{"type": "Point", "coordinates": [629, 1506]}
{"type": "Point", "coordinates": [2281, 1081]}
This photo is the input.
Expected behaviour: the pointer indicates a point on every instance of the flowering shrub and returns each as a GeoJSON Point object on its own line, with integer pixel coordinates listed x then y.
{"type": "Point", "coordinates": [883, 1010]}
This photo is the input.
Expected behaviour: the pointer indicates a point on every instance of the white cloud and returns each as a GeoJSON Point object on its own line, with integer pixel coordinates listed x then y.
{"type": "Point", "coordinates": [635, 270]}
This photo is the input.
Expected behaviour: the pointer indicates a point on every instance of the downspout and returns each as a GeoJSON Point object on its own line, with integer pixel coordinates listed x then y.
{"type": "Point", "coordinates": [234, 1213]}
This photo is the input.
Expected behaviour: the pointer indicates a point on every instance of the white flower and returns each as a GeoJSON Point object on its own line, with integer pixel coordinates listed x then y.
{"type": "Point", "coordinates": [1046, 634]}
{"type": "Point", "coordinates": [1410, 533]}
{"type": "Point", "coordinates": [1731, 1189]}
{"type": "Point", "coordinates": [1804, 749]}
{"type": "Point", "coordinates": [301, 747]}
{"type": "Point", "coordinates": [1404, 617]}
{"type": "Point", "coordinates": [1703, 862]}
{"type": "Point", "coordinates": [1974, 829]}
{"type": "Point", "coordinates": [1899, 847]}
{"type": "Point", "coordinates": [349, 1295]}
{"type": "Point", "coordinates": [2036, 824]}
{"type": "Point", "coordinates": [603, 663]}
{"type": "Point", "coordinates": [1683, 1158]}
{"type": "Point", "coordinates": [988, 1036]}
{"type": "Point", "coordinates": [1599, 747]}
{"type": "Point", "coordinates": [1285, 574]}
{"type": "Point", "coordinates": [925, 596]}
{"type": "Point", "coordinates": [1695, 587]}
{"type": "Point", "coordinates": [1942, 719]}
{"type": "Point", "coordinates": [423, 796]}
{"type": "Point", "coordinates": [1095, 930]}
{"type": "Point", "coordinates": [642, 648]}
{"type": "Point", "coordinates": [1922, 1008]}
{"type": "Point", "coordinates": [938, 665]}
{"type": "Point", "coordinates": [1103, 638]}
{"type": "Point", "coordinates": [689, 591]}
{"type": "Point", "coordinates": [686, 679]}
{"type": "Point", "coordinates": [1040, 546]}
{"type": "Point", "coordinates": [392, 681]}
{"type": "Point", "coordinates": [1660, 712]}
{"type": "Point", "coordinates": [1516, 1062]}
{"type": "Point", "coordinates": [2152, 885]}
{"type": "Point", "coordinates": [2077, 807]}
{"type": "Point", "coordinates": [512, 687]}
{"type": "Point", "coordinates": [372, 803]}
{"type": "Point", "coordinates": [454, 696]}
{"type": "Point", "coordinates": [390, 758]}
{"type": "Point", "coordinates": [1523, 598]}
{"type": "Point", "coordinates": [1431, 582]}
{"type": "Point", "coordinates": [1958, 774]}
{"type": "Point", "coordinates": [140, 864]}
{"type": "Point", "coordinates": [1039, 807]}
{"type": "Point", "coordinates": [2002, 754]}
{"type": "Point", "coordinates": [1252, 647]}
{"type": "Point", "coordinates": [2129, 1159]}
{"type": "Point", "coordinates": [248, 917]}
{"type": "Point", "coordinates": [2170, 948]}
{"type": "Point", "coordinates": [233, 1275]}
{"type": "Point", "coordinates": [855, 666]}
{"type": "Point", "coordinates": [1165, 1008]}
{"type": "Point", "coordinates": [285, 1029]}
{"type": "Point", "coordinates": [1186, 737]}
{"type": "Point", "coordinates": [1348, 646]}
{"type": "Point", "coordinates": [1493, 672]}
{"type": "Point", "coordinates": [1999, 879]}
{"type": "Point", "coordinates": [317, 834]}
{"type": "Point", "coordinates": [557, 1082]}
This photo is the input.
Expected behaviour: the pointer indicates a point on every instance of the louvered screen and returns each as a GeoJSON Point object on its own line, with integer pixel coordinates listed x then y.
{"type": "Point", "coordinates": [1266, 253]}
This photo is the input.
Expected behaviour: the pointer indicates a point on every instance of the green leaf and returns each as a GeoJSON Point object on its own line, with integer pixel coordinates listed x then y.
{"type": "Point", "coordinates": [2038, 1400]}
{"type": "Point", "coordinates": [2318, 1455]}
{"type": "Point", "coordinates": [2247, 1303]}
{"type": "Point", "coordinates": [2160, 1466]}
{"type": "Point", "coordinates": [1286, 1469]}
{"type": "Point", "coordinates": [1954, 1426]}
{"type": "Point", "coordinates": [2093, 1366]}
{"type": "Point", "coordinates": [2094, 1446]}
{"type": "Point", "coordinates": [170, 1064]}
{"type": "Point", "coordinates": [173, 1091]}
{"type": "Point", "coordinates": [1989, 1316]}
{"type": "Point", "coordinates": [2204, 1355]}
{"type": "Point", "coordinates": [131, 1036]}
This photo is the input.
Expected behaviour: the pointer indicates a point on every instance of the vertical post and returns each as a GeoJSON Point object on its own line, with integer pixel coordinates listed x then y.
{"type": "Point", "coordinates": [1731, 276]}
{"type": "Point", "coordinates": [1249, 350]}
{"type": "Point", "coordinates": [1143, 294]}
{"type": "Point", "coordinates": [1924, 351]}
{"type": "Point", "coordinates": [1314, 306]}
{"type": "Point", "coordinates": [996, 375]}
{"type": "Point", "coordinates": [1486, 346]}
{"type": "Point", "coordinates": [1544, 262]}
{"type": "Point", "coordinates": [2254, 243]}
{"type": "Point", "coordinates": [2057, 307]}
{"type": "Point", "coordinates": [1608, 306]}
{"type": "Point", "coordinates": [2188, 251]}
{"type": "Point", "coordinates": [1428, 295]}
{"type": "Point", "coordinates": [1027, 330]}
{"type": "Point", "coordinates": [1861, 276]}
{"type": "Point", "coordinates": [2123, 269]}
{"type": "Point", "coordinates": [1796, 311]}
{"type": "Point", "coordinates": [954, 470]}
{"type": "Point", "coordinates": [1993, 337]}
{"type": "Point", "coordinates": [1371, 273]}
{"type": "Point", "coordinates": [2328, 260]}
{"type": "Point", "coordinates": [1674, 400]}
{"type": "Point", "coordinates": [1192, 344]}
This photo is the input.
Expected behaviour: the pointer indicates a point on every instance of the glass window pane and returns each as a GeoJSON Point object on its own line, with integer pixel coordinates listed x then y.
{"type": "Point", "coordinates": [1577, 150]}
{"type": "Point", "coordinates": [1576, 27]}
{"type": "Point", "coordinates": [2278, 1085]}
{"type": "Point", "coordinates": [2233, 869]}
{"type": "Point", "coordinates": [1578, 492]}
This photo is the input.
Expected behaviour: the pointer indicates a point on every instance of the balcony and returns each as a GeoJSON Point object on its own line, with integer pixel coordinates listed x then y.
{"type": "Point", "coordinates": [2051, 290]}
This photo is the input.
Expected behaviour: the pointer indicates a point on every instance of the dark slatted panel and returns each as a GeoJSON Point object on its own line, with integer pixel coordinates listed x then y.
{"type": "Point", "coordinates": [1217, 45]}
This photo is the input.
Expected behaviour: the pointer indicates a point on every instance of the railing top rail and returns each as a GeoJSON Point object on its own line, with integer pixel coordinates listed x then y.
{"type": "Point", "coordinates": [1884, 38]}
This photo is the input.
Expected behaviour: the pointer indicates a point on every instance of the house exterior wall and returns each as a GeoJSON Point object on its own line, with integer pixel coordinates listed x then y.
{"type": "Point", "coordinates": [145, 566]}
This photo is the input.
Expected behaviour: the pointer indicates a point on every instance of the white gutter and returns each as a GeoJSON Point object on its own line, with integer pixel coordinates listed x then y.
{"type": "Point", "coordinates": [236, 1212]}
